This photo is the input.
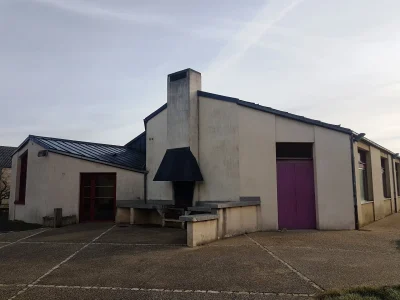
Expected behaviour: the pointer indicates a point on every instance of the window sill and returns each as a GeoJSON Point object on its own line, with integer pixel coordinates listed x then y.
{"type": "Point", "coordinates": [387, 199]}
{"type": "Point", "coordinates": [367, 202]}
{"type": "Point", "coordinates": [19, 203]}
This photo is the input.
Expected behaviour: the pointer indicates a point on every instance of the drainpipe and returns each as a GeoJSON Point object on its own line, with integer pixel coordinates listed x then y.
{"type": "Point", "coordinates": [394, 181]}
{"type": "Point", "coordinates": [353, 174]}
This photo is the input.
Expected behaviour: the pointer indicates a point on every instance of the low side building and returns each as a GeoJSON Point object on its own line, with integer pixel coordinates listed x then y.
{"type": "Point", "coordinates": [84, 179]}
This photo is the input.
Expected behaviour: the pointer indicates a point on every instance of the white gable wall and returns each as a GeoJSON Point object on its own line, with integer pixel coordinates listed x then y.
{"type": "Point", "coordinates": [237, 157]}
{"type": "Point", "coordinates": [54, 182]}
{"type": "Point", "coordinates": [37, 185]}
{"type": "Point", "coordinates": [156, 146]}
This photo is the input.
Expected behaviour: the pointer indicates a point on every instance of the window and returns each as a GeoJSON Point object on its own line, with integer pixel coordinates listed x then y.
{"type": "Point", "coordinates": [397, 174]}
{"type": "Point", "coordinates": [294, 150]}
{"type": "Point", "coordinates": [23, 168]}
{"type": "Point", "coordinates": [385, 177]}
{"type": "Point", "coordinates": [363, 174]}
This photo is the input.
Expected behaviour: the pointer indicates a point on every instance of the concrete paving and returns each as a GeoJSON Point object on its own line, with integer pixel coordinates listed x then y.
{"type": "Point", "coordinates": [103, 261]}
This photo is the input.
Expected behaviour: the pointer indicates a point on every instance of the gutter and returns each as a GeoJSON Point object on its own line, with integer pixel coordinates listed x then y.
{"type": "Point", "coordinates": [353, 174]}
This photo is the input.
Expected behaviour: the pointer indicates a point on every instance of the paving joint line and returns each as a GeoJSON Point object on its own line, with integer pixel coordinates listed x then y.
{"type": "Point", "coordinates": [59, 264]}
{"type": "Point", "coordinates": [27, 237]}
{"type": "Point", "coordinates": [192, 291]}
{"type": "Point", "coordinates": [293, 269]}
{"type": "Point", "coordinates": [99, 243]}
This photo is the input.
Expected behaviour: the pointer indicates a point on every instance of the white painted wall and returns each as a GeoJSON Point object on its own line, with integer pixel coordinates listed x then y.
{"type": "Point", "coordinates": [257, 161]}
{"type": "Point", "coordinates": [37, 185]}
{"type": "Point", "coordinates": [64, 182]}
{"type": "Point", "coordinates": [218, 150]}
{"type": "Point", "coordinates": [333, 180]}
{"type": "Point", "coordinates": [156, 146]}
{"type": "Point", "coordinates": [237, 159]}
{"type": "Point", "coordinates": [290, 131]}
{"type": "Point", "coordinates": [259, 133]}
{"type": "Point", "coordinates": [54, 182]}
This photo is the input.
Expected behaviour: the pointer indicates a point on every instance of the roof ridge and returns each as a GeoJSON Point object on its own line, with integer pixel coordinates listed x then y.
{"type": "Point", "coordinates": [74, 141]}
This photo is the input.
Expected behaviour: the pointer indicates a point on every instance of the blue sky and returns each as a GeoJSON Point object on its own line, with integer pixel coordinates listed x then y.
{"type": "Point", "coordinates": [92, 70]}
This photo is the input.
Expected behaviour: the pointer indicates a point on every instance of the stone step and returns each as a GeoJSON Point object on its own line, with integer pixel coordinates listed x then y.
{"type": "Point", "coordinates": [174, 223]}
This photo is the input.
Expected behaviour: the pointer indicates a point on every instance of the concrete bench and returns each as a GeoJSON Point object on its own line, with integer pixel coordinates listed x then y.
{"type": "Point", "coordinates": [222, 220]}
{"type": "Point", "coordinates": [140, 212]}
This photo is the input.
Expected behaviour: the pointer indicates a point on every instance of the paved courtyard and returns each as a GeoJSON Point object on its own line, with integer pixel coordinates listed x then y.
{"type": "Point", "coordinates": [102, 261]}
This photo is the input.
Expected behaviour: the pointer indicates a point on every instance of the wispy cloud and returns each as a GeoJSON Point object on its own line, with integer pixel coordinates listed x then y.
{"type": "Point", "coordinates": [250, 35]}
{"type": "Point", "coordinates": [95, 11]}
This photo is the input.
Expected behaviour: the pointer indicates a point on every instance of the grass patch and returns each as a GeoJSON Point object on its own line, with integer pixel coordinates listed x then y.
{"type": "Point", "coordinates": [363, 293]}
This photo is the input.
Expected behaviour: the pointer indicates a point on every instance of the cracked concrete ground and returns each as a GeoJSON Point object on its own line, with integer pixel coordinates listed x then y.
{"type": "Point", "coordinates": [102, 261]}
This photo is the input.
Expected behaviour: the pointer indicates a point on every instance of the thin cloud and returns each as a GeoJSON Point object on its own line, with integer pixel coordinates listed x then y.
{"type": "Point", "coordinates": [249, 36]}
{"type": "Point", "coordinates": [95, 11]}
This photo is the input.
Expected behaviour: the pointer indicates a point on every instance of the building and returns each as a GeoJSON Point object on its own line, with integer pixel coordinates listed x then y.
{"type": "Point", "coordinates": [84, 179]}
{"type": "Point", "coordinates": [5, 174]}
{"type": "Point", "coordinates": [243, 166]}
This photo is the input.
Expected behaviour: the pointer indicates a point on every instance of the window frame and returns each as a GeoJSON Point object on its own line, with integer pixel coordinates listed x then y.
{"type": "Point", "coordinates": [363, 165]}
{"type": "Point", "coordinates": [387, 193]}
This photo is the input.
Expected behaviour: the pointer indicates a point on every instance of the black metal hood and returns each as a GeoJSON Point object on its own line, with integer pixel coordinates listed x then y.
{"type": "Point", "coordinates": [178, 164]}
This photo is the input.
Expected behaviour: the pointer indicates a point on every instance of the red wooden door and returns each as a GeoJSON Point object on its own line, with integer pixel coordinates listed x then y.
{"type": "Point", "coordinates": [296, 197]}
{"type": "Point", "coordinates": [97, 201]}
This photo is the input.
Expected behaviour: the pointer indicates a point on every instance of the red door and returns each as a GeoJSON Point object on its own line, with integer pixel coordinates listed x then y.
{"type": "Point", "coordinates": [97, 201]}
{"type": "Point", "coordinates": [296, 200]}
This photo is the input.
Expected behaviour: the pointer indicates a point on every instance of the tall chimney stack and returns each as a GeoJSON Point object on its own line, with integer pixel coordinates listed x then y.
{"type": "Point", "coordinates": [182, 120]}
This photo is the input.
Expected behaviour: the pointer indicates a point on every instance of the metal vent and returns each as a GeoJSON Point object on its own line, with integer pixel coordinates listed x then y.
{"type": "Point", "coordinates": [42, 153]}
{"type": "Point", "coordinates": [177, 76]}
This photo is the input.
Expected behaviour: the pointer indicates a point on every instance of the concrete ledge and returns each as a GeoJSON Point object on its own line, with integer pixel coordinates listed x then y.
{"type": "Point", "coordinates": [200, 233]}
{"type": "Point", "coordinates": [198, 218]}
{"type": "Point", "coordinates": [48, 221]}
{"type": "Point", "coordinates": [149, 204]}
{"type": "Point", "coordinates": [200, 209]}
{"type": "Point", "coordinates": [228, 204]}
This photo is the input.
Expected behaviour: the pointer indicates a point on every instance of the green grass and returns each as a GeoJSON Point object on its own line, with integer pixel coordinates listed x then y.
{"type": "Point", "coordinates": [363, 293]}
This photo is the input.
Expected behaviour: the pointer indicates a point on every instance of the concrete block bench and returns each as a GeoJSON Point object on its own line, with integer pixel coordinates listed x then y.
{"type": "Point", "coordinates": [140, 212]}
{"type": "Point", "coordinates": [226, 219]}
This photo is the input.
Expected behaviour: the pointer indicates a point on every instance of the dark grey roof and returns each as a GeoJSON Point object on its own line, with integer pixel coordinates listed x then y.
{"type": "Point", "coordinates": [138, 143]}
{"type": "Point", "coordinates": [5, 156]}
{"type": "Point", "coordinates": [117, 156]}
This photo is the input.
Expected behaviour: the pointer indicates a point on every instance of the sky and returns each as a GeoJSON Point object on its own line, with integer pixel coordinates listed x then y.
{"type": "Point", "coordinates": [94, 69]}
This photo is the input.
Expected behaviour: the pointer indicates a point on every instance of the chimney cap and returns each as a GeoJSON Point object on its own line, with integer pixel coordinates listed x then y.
{"type": "Point", "coordinates": [184, 70]}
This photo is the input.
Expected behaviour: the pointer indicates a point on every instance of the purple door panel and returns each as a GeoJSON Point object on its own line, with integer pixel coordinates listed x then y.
{"type": "Point", "coordinates": [296, 201]}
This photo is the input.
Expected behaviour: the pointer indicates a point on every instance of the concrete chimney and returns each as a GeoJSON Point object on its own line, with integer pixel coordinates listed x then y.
{"type": "Point", "coordinates": [183, 115]}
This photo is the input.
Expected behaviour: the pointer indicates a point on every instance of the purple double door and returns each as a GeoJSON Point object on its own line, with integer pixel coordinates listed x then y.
{"type": "Point", "coordinates": [296, 197]}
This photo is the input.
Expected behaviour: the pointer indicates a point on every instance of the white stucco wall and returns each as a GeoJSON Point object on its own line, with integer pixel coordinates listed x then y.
{"type": "Point", "coordinates": [156, 146]}
{"type": "Point", "coordinates": [333, 180]}
{"type": "Point", "coordinates": [290, 131]}
{"type": "Point", "coordinates": [259, 133]}
{"type": "Point", "coordinates": [257, 161]}
{"type": "Point", "coordinates": [37, 184]}
{"type": "Point", "coordinates": [54, 182]}
{"type": "Point", "coordinates": [218, 150]}
{"type": "Point", "coordinates": [64, 182]}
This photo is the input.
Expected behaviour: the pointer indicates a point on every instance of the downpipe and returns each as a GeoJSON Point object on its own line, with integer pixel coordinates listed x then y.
{"type": "Point", "coordinates": [353, 174]}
